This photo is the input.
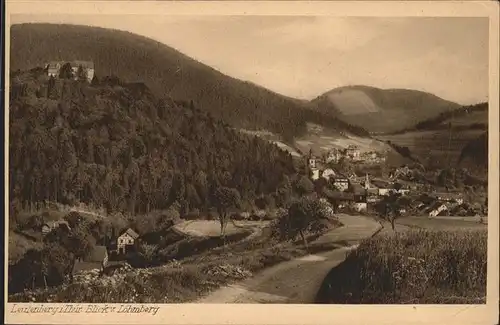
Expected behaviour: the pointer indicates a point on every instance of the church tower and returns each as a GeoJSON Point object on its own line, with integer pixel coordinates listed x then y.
{"type": "Point", "coordinates": [367, 182]}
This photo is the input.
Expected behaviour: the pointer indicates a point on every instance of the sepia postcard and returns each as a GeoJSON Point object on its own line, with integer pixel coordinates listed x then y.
{"type": "Point", "coordinates": [251, 162]}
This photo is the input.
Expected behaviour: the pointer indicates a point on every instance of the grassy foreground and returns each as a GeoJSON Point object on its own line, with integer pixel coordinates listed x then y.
{"type": "Point", "coordinates": [415, 267]}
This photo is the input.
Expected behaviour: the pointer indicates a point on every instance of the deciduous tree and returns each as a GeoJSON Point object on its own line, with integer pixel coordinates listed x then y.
{"type": "Point", "coordinates": [225, 199]}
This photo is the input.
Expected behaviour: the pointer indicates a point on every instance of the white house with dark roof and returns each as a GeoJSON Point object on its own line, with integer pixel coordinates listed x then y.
{"type": "Point", "coordinates": [127, 239]}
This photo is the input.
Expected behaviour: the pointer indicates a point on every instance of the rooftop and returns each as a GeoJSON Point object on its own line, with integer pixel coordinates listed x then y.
{"type": "Point", "coordinates": [131, 233]}
{"type": "Point", "coordinates": [341, 196]}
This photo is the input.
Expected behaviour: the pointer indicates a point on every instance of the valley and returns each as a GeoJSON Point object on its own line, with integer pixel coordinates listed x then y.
{"type": "Point", "coordinates": [138, 174]}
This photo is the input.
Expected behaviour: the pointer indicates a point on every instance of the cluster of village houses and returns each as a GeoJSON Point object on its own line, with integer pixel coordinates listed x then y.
{"type": "Point", "coordinates": [359, 192]}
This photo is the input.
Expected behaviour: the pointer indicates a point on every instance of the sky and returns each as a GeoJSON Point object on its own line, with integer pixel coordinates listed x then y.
{"type": "Point", "coordinates": [305, 56]}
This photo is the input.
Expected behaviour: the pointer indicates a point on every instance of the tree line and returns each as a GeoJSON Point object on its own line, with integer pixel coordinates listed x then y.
{"type": "Point", "coordinates": [436, 122]}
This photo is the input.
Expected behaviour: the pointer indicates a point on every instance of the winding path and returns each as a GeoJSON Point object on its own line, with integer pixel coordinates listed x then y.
{"type": "Point", "coordinates": [298, 280]}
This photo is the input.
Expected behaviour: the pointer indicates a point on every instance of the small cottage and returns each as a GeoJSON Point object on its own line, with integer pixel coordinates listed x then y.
{"type": "Point", "coordinates": [126, 241]}
{"type": "Point", "coordinates": [339, 199]}
{"type": "Point", "coordinates": [97, 259]}
{"type": "Point", "coordinates": [436, 209]}
{"type": "Point", "coordinates": [360, 197]}
{"type": "Point", "coordinates": [328, 173]}
{"type": "Point", "coordinates": [49, 226]}
{"type": "Point", "coordinates": [383, 187]}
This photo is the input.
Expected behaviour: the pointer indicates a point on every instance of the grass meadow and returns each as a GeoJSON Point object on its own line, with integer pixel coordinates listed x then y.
{"type": "Point", "coordinates": [437, 147]}
{"type": "Point", "coordinates": [412, 267]}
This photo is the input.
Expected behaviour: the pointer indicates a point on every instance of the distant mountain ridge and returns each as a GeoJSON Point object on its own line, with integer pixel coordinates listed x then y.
{"type": "Point", "coordinates": [166, 71]}
{"type": "Point", "coordinates": [381, 110]}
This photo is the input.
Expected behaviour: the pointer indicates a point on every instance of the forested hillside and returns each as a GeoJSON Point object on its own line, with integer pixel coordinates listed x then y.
{"type": "Point", "coordinates": [116, 145]}
{"type": "Point", "coordinates": [470, 117]}
{"type": "Point", "coordinates": [475, 152]}
{"type": "Point", "coordinates": [166, 71]}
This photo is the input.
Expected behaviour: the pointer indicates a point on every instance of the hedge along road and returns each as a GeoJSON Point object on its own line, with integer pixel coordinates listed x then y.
{"type": "Point", "coordinates": [298, 280]}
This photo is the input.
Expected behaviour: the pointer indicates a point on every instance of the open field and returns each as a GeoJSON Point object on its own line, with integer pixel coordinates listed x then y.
{"type": "Point", "coordinates": [412, 267]}
{"type": "Point", "coordinates": [443, 224]}
{"type": "Point", "coordinates": [321, 140]}
{"type": "Point", "coordinates": [211, 228]}
{"type": "Point", "coordinates": [438, 147]}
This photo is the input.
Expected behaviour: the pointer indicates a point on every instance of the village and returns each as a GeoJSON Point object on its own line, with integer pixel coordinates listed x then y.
{"type": "Point", "coordinates": [363, 192]}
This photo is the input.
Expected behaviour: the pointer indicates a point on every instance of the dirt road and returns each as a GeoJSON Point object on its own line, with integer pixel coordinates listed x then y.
{"type": "Point", "coordinates": [297, 281]}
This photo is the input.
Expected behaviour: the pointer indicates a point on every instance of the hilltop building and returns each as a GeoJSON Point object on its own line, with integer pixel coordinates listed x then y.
{"type": "Point", "coordinates": [54, 68]}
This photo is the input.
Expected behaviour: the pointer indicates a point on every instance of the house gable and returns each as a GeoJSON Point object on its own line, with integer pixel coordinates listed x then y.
{"type": "Point", "coordinates": [125, 239]}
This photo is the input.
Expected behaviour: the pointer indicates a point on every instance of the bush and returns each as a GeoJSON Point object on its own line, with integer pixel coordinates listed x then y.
{"type": "Point", "coordinates": [37, 268]}
{"type": "Point", "coordinates": [192, 215]}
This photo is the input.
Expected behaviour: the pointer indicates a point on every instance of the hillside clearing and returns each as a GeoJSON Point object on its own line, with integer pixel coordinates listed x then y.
{"type": "Point", "coordinates": [437, 147]}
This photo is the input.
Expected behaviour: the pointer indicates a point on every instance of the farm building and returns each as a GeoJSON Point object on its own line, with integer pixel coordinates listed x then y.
{"type": "Point", "coordinates": [436, 209]}
{"type": "Point", "coordinates": [328, 173]}
{"type": "Point", "coordinates": [97, 259]}
{"type": "Point", "coordinates": [49, 226]}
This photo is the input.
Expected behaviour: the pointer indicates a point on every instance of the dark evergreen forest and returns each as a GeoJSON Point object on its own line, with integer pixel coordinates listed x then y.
{"type": "Point", "coordinates": [115, 145]}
